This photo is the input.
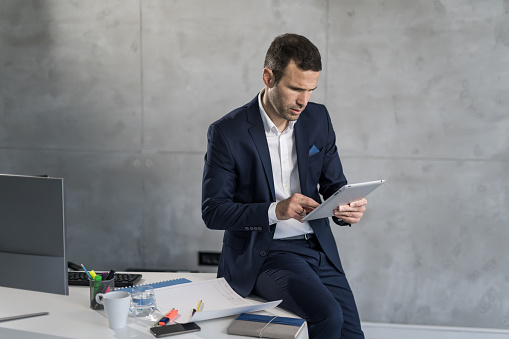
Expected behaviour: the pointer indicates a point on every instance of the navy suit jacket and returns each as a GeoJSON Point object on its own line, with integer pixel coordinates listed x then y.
{"type": "Point", "coordinates": [238, 186]}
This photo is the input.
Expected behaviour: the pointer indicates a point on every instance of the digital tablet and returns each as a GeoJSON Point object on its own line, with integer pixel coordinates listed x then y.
{"type": "Point", "coordinates": [343, 196]}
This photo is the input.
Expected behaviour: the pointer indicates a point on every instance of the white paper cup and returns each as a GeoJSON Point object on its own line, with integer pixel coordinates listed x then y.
{"type": "Point", "coordinates": [116, 305]}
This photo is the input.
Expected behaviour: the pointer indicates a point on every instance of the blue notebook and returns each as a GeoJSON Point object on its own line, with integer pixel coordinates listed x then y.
{"type": "Point", "coordinates": [160, 284]}
{"type": "Point", "coordinates": [267, 318]}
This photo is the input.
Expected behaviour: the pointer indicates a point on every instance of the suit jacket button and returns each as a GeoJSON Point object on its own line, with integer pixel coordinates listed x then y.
{"type": "Point", "coordinates": [263, 253]}
{"type": "Point", "coordinates": [246, 228]}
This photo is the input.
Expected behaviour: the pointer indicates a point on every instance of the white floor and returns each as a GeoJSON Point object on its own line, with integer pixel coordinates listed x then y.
{"type": "Point", "coordinates": [396, 331]}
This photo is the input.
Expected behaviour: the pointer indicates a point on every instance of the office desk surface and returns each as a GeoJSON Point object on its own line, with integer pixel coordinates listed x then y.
{"type": "Point", "coordinates": [71, 317]}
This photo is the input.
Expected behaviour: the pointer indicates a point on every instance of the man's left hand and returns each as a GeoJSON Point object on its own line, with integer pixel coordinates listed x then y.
{"type": "Point", "coordinates": [352, 212]}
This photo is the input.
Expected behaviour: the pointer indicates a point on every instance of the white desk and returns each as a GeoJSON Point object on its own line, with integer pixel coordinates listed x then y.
{"type": "Point", "coordinates": [71, 317]}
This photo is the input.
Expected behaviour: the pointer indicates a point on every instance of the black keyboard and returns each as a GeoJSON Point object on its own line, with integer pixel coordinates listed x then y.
{"type": "Point", "coordinates": [80, 278]}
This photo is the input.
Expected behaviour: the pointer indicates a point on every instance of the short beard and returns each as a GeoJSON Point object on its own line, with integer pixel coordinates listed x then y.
{"type": "Point", "coordinates": [277, 105]}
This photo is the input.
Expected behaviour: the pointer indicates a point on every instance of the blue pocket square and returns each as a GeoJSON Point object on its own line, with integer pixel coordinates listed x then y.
{"type": "Point", "coordinates": [313, 150]}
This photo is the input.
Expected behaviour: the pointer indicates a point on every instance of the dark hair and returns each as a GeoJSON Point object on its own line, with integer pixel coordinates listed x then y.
{"type": "Point", "coordinates": [288, 47]}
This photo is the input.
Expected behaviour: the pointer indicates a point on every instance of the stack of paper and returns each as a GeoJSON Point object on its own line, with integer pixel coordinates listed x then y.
{"type": "Point", "coordinates": [217, 299]}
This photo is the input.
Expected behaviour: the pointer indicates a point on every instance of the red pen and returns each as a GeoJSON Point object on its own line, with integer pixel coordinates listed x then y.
{"type": "Point", "coordinates": [168, 317]}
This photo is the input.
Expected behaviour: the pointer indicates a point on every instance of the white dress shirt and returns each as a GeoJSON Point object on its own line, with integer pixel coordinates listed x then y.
{"type": "Point", "coordinates": [283, 157]}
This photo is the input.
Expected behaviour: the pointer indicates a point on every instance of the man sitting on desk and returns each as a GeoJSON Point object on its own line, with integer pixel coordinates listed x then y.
{"type": "Point", "coordinates": [264, 164]}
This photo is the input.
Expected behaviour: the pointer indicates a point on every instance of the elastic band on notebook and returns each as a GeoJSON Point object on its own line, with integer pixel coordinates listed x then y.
{"type": "Point", "coordinates": [261, 331]}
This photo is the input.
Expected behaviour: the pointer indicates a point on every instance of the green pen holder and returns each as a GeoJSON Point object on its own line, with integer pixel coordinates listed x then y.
{"type": "Point", "coordinates": [101, 286]}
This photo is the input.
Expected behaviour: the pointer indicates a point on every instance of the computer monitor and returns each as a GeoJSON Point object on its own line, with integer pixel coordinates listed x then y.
{"type": "Point", "coordinates": [32, 241]}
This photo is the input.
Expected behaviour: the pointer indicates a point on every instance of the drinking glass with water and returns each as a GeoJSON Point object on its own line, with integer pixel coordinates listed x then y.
{"type": "Point", "coordinates": [143, 301]}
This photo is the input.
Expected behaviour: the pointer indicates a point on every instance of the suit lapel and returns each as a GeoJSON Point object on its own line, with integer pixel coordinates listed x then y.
{"type": "Point", "coordinates": [302, 147]}
{"type": "Point", "coordinates": [257, 133]}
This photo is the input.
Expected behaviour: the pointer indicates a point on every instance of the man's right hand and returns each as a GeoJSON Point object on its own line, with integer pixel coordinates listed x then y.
{"type": "Point", "coordinates": [296, 207]}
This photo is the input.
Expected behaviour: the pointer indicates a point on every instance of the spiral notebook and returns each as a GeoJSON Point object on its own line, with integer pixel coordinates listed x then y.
{"type": "Point", "coordinates": [160, 284]}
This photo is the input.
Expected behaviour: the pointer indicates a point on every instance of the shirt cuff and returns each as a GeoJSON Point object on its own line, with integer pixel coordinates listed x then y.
{"type": "Point", "coordinates": [341, 222]}
{"type": "Point", "coordinates": [272, 214]}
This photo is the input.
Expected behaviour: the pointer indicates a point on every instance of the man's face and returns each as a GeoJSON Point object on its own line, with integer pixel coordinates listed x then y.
{"type": "Point", "coordinates": [291, 94]}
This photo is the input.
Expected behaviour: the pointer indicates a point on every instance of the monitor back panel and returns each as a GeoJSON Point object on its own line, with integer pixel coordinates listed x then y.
{"type": "Point", "coordinates": [32, 245]}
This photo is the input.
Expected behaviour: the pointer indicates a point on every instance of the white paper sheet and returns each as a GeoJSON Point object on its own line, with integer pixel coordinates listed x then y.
{"type": "Point", "coordinates": [217, 297]}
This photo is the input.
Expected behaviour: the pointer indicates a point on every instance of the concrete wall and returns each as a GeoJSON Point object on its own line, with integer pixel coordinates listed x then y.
{"type": "Point", "coordinates": [116, 97]}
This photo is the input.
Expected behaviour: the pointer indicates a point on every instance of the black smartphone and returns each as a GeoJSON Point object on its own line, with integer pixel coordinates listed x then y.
{"type": "Point", "coordinates": [167, 330]}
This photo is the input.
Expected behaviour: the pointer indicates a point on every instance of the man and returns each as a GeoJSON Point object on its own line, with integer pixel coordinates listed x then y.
{"type": "Point", "coordinates": [266, 165]}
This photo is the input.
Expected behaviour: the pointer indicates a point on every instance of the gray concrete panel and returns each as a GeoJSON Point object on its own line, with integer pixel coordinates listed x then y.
{"type": "Point", "coordinates": [435, 74]}
{"type": "Point", "coordinates": [70, 74]}
{"type": "Point", "coordinates": [201, 61]}
{"type": "Point", "coordinates": [434, 237]}
{"type": "Point", "coordinates": [174, 232]}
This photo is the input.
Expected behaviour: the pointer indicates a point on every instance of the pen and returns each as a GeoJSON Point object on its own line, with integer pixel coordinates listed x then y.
{"type": "Point", "coordinates": [23, 316]}
{"type": "Point", "coordinates": [89, 276]}
{"type": "Point", "coordinates": [197, 309]}
{"type": "Point", "coordinates": [111, 275]}
{"type": "Point", "coordinates": [167, 318]}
